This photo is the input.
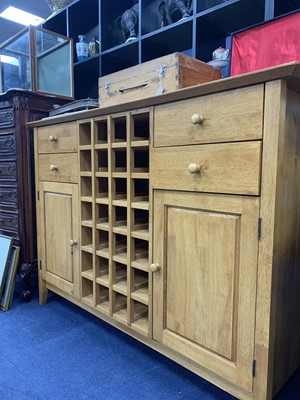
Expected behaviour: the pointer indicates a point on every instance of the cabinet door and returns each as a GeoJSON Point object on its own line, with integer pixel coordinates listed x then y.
{"type": "Point", "coordinates": [204, 289]}
{"type": "Point", "coordinates": [58, 235]}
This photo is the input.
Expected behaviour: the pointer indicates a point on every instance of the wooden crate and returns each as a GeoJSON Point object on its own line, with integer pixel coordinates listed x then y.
{"type": "Point", "coordinates": [161, 75]}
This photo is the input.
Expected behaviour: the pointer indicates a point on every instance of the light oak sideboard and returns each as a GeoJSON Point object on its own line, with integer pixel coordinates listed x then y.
{"type": "Point", "coordinates": [177, 220]}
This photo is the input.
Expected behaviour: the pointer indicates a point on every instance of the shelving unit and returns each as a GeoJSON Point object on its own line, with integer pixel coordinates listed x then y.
{"type": "Point", "coordinates": [114, 202]}
{"type": "Point", "coordinates": [210, 25]}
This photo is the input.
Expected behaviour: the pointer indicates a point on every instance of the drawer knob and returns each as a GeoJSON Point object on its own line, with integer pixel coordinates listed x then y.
{"type": "Point", "coordinates": [154, 267]}
{"type": "Point", "coordinates": [53, 167]}
{"type": "Point", "coordinates": [193, 168]}
{"type": "Point", "coordinates": [197, 119]}
{"type": "Point", "coordinates": [52, 138]}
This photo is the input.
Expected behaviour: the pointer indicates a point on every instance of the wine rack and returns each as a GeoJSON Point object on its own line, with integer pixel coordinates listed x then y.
{"type": "Point", "coordinates": [114, 204]}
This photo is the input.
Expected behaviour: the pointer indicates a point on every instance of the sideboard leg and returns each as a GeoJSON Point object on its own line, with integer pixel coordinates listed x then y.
{"type": "Point", "coordinates": [43, 291]}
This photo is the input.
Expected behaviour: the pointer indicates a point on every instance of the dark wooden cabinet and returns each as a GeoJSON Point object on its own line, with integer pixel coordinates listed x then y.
{"type": "Point", "coordinates": [210, 24]}
{"type": "Point", "coordinates": [17, 199]}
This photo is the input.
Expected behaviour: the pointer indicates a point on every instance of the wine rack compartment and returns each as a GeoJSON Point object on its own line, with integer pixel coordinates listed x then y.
{"type": "Point", "coordinates": [114, 197]}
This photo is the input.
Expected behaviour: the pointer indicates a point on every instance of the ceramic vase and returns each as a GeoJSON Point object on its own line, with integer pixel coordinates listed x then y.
{"type": "Point", "coordinates": [82, 48]}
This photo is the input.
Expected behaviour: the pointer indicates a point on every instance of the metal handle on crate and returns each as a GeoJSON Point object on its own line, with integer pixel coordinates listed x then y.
{"type": "Point", "coordinates": [123, 89]}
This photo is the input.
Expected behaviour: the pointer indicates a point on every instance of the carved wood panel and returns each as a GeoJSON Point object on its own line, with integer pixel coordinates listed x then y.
{"type": "Point", "coordinates": [9, 221]}
{"type": "Point", "coordinates": [8, 171]}
{"type": "Point", "coordinates": [8, 195]}
{"type": "Point", "coordinates": [7, 144]}
{"type": "Point", "coordinates": [6, 118]}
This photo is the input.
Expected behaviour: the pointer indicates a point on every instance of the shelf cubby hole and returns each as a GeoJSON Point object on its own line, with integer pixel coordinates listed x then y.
{"type": "Point", "coordinates": [87, 265]}
{"type": "Point", "coordinates": [85, 160]}
{"type": "Point", "coordinates": [140, 249]}
{"type": "Point", "coordinates": [101, 188]}
{"type": "Point", "coordinates": [140, 281]}
{"type": "Point", "coordinates": [120, 248]}
{"type": "Point", "coordinates": [140, 160]}
{"type": "Point", "coordinates": [102, 294]}
{"type": "Point", "coordinates": [101, 131]}
{"type": "Point", "coordinates": [120, 307]}
{"type": "Point", "coordinates": [140, 311]}
{"type": "Point", "coordinates": [85, 136]}
{"type": "Point", "coordinates": [101, 239]}
{"type": "Point", "coordinates": [119, 188]}
{"type": "Point", "coordinates": [83, 20]}
{"type": "Point", "coordinates": [140, 226]}
{"type": "Point", "coordinates": [119, 130]}
{"type": "Point", "coordinates": [103, 280]}
{"type": "Point", "coordinates": [86, 88]}
{"type": "Point", "coordinates": [102, 267]}
{"type": "Point", "coordinates": [110, 22]}
{"type": "Point", "coordinates": [102, 161]}
{"type": "Point", "coordinates": [151, 16]}
{"type": "Point", "coordinates": [87, 290]}
{"type": "Point", "coordinates": [222, 18]}
{"type": "Point", "coordinates": [85, 186]}
{"type": "Point", "coordinates": [162, 43]}
{"type": "Point", "coordinates": [102, 218]}
{"type": "Point", "coordinates": [140, 189]}
{"type": "Point", "coordinates": [207, 4]}
{"type": "Point", "coordinates": [119, 220]}
{"type": "Point", "coordinates": [141, 130]}
{"type": "Point", "coordinates": [86, 214]}
{"type": "Point", "coordinates": [87, 239]}
{"type": "Point", "coordinates": [119, 160]}
{"type": "Point", "coordinates": [284, 7]}
{"type": "Point", "coordinates": [120, 278]}
{"type": "Point", "coordinates": [124, 56]}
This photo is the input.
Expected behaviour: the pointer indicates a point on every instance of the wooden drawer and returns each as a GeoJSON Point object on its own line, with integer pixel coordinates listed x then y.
{"type": "Point", "coordinates": [8, 171]}
{"type": "Point", "coordinates": [7, 144]}
{"type": "Point", "coordinates": [58, 167]}
{"type": "Point", "coordinates": [234, 115]}
{"type": "Point", "coordinates": [8, 196]}
{"type": "Point", "coordinates": [9, 221]}
{"type": "Point", "coordinates": [224, 168]}
{"type": "Point", "coordinates": [59, 138]}
{"type": "Point", "coordinates": [7, 118]}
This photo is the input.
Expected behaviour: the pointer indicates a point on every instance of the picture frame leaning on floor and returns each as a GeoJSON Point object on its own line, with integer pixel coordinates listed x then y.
{"type": "Point", "coordinates": [9, 258]}
{"type": "Point", "coordinates": [8, 293]}
{"type": "Point", "coordinates": [6, 244]}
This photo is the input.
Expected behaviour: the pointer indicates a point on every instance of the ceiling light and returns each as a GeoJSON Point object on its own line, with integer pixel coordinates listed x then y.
{"type": "Point", "coordinates": [20, 16]}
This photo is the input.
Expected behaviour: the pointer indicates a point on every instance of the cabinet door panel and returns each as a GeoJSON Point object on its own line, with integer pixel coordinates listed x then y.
{"type": "Point", "coordinates": [59, 210]}
{"type": "Point", "coordinates": [204, 293]}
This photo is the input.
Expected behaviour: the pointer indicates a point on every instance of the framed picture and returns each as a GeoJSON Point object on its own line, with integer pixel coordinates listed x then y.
{"type": "Point", "coordinates": [8, 293]}
{"type": "Point", "coordinates": [6, 244]}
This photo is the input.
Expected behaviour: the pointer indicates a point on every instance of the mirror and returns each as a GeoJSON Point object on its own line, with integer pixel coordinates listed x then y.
{"type": "Point", "coordinates": [6, 244]}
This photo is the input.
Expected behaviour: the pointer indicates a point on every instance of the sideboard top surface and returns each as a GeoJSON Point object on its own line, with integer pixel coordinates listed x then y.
{"type": "Point", "coordinates": [289, 72]}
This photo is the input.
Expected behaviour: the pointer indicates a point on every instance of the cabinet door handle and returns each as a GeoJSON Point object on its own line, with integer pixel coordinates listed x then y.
{"type": "Point", "coordinates": [194, 168]}
{"type": "Point", "coordinates": [197, 119]}
{"type": "Point", "coordinates": [73, 243]}
{"type": "Point", "coordinates": [154, 267]}
{"type": "Point", "coordinates": [52, 138]}
{"type": "Point", "coordinates": [53, 167]}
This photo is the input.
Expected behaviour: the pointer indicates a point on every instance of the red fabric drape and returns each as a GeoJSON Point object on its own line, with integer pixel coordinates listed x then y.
{"type": "Point", "coordinates": [276, 42]}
